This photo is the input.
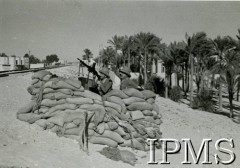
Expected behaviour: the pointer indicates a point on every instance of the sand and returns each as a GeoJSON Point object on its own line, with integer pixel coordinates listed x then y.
{"type": "Point", "coordinates": [25, 145]}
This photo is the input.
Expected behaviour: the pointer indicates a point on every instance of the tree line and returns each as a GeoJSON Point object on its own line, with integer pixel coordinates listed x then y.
{"type": "Point", "coordinates": [195, 59]}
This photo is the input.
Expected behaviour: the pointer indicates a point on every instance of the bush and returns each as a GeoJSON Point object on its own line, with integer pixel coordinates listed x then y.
{"type": "Point", "coordinates": [156, 84]}
{"type": "Point", "coordinates": [175, 93]}
{"type": "Point", "coordinates": [203, 100]}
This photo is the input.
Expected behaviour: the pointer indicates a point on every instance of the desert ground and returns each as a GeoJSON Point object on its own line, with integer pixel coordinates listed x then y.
{"type": "Point", "coordinates": [25, 145]}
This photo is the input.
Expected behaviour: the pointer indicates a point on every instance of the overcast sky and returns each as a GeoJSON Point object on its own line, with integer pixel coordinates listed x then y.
{"type": "Point", "coordinates": [66, 27]}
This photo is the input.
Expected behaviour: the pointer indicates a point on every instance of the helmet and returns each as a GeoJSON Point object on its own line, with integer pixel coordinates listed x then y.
{"type": "Point", "coordinates": [126, 71]}
{"type": "Point", "coordinates": [105, 71]}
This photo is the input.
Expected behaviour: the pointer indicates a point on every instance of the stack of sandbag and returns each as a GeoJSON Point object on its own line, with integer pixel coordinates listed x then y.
{"type": "Point", "coordinates": [61, 105]}
{"type": "Point", "coordinates": [121, 117]}
{"type": "Point", "coordinates": [131, 117]}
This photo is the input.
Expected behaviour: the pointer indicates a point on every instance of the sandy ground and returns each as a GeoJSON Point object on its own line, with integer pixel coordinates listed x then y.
{"type": "Point", "coordinates": [24, 145]}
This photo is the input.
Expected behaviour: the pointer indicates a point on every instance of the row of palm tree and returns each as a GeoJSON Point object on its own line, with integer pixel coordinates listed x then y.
{"type": "Point", "coordinates": [196, 59]}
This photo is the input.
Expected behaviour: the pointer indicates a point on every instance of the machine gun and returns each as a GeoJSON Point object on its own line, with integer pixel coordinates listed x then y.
{"type": "Point", "coordinates": [91, 69]}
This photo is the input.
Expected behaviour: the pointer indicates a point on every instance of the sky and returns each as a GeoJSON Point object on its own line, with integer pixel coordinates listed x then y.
{"type": "Point", "coordinates": [66, 28]}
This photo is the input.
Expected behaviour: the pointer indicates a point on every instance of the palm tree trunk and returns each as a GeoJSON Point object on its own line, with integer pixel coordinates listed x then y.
{"type": "Point", "coordinates": [129, 57]}
{"type": "Point", "coordinates": [145, 67]}
{"type": "Point", "coordinates": [231, 104]}
{"type": "Point", "coordinates": [191, 80]}
{"type": "Point", "coordinates": [183, 79]}
{"type": "Point", "coordinates": [238, 88]}
{"type": "Point", "coordinates": [152, 63]}
{"type": "Point", "coordinates": [166, 87]}
{"type": "Point", "coordinates": [156, 65]}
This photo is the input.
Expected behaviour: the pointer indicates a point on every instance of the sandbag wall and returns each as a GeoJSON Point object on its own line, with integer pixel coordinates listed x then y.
{"type": "Point", "coordinates": [58, 104]}
{"type": "Point", "coordinates": [131, 117]}
{"type": "Point", "coordinates": [125, 118]}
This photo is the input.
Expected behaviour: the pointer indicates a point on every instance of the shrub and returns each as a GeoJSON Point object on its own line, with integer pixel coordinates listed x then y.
{"type": "Point", "coordinates": [175, 93]}
{"type": "Point", "coordinates": [155, 84]}
{"type": "Point", "coordinates": [204, 100]}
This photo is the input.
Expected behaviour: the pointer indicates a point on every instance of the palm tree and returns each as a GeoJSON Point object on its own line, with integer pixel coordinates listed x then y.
{"type": "Point", "coordinates": [230, 65]}
{"type": "Point", "coordinates": [145, 42]}
{"type": "Point", "coordinates": [238, 48]}
{"type": "Point", "coordinates": [127, 47]}
{"type": "Point", "coordinates": [117, 44]}
{"type": "Point", "coordinates": [87, 54]}
{"type": "Point", "coordinates": [193, 44]}
{"type": "Point", "coordinates": [108, 56]}
{"type": "Point", "coordinates": [220, 48]}
{"type": "Point", "coordinates": [168, 64]}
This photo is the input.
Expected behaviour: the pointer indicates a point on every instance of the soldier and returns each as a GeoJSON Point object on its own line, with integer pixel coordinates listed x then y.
{"type": "Point", "coordinates": [105, 84]}
{"type": "Point", "coordinates": [126, 82]}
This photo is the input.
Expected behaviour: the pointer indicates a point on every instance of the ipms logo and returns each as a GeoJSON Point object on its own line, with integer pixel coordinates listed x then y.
{"type": "Point", "coordinates": [189, 149]}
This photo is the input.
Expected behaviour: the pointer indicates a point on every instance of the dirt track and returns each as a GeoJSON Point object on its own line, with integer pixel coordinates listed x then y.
{"type": "Point", "coordinates": [24, 145]}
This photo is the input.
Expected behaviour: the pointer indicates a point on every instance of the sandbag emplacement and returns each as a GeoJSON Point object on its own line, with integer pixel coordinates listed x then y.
{"type": "Point", "coordinates": [103, 141]}
{"type": "Point", "coordinates": [121, 117]}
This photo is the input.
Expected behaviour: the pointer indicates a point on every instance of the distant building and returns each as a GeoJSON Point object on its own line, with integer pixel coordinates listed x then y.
{"type": "Point", "coordinates": [159, 70]}
{"type": "Point", "coordinates": [8, 63]}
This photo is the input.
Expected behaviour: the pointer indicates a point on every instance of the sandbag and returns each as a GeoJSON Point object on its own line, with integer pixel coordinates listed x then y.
{"type": "Point", "coordinates": [131, 100]}
{"type": "Point", "coordinates": [97, 102]}
{"type": "Point", "coordinates": [57, 119]}
{"type": "Point", "coordinates": [98, 109]}
{"type": "Point", "coordinates": [64, 91]}
{"type": "Point", "coordinates": [38, 84]}
{"type": "Point", "coordinates": [43, 110]}
{"type": "Point", "coordinates": [79, 100]}
{"type": "Point", "coordinates": [101, 128]}
{"type": "Point", "coordinates": [155, 108]}
{"type": "Point", "coordinates": [147, 113]}
{"type": "Point", "coordinates": [112, 125]}
{"type": "Point", "coordinates": [28, 117]}
{"type": "Point", "coordinates": [88, 94]}
{"type": "Point", "coordinates": [131, 92]}
{"type": "Point", "coordinates": [51, 103]}
{"type": "Point", "coordinates": [115, 106]}
{"type": "Point", "coordinates": [126, 125]}
{"type": "Point", "coordinates": [103, 141]}
{"type": "Point", "coordinates": [40, 74]}
{"type": "Point", "coordinates": [42, 123]}
{"type": "Point", "coordinates": [140, 106]}
{"type": "Point", "coordinates": [151, 100]}
{"type": "Point", "coordinates": [114, 112]}
{"type": "Point", "coordinates": [32, 90]}
{"type": "Point", "coordinates": [48, 115]}
{"type": "Point", "coordinates": [135, 134]}
{"type": "Point", "coordinates": [62, 85]}
{"type": "Point", "coordinates": [48, 84]}
{"type": "Point", "coordinates": [62, 107]}
{"type": "Point", "coordinates": [140, 128]}
{"type": "Point", "coordinates": [149, 118]}
{"type": "Point", "coordinates": [151, 132]}
{"type": "Point", "coordinates": [76, 83]}
{"type": "Point", "coordinates": [81, 89]}
{"type": "Point", "coordinates": [136, 115]}
{"type": "Point", "coordinates": [127, 136]}
{"type": "Point", "coordinates": [72, 131]}
{"type": "Point", "coordinates": [158, 121]}
{"type": "Point", "coordinates": [120, 131]}
{"type": "Point", "coordinates": [46, 78]}
{"type": "Point", "coordinates": [26, 109]}
{"type": "Point", "coordinates": [34, 81]}
{"type": "Point", "coordinates": [70, 125]}
{"type": "Point", "coordinates": [148, 94]}
{"type": "Point", "coordinates": [111, 135]}
{"type": "Point", "coordinates": [117, 100]}
{"type": "Point", "coordinates": [115, 92]}
{"type": "Point", "coordinates": [133, 143]}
